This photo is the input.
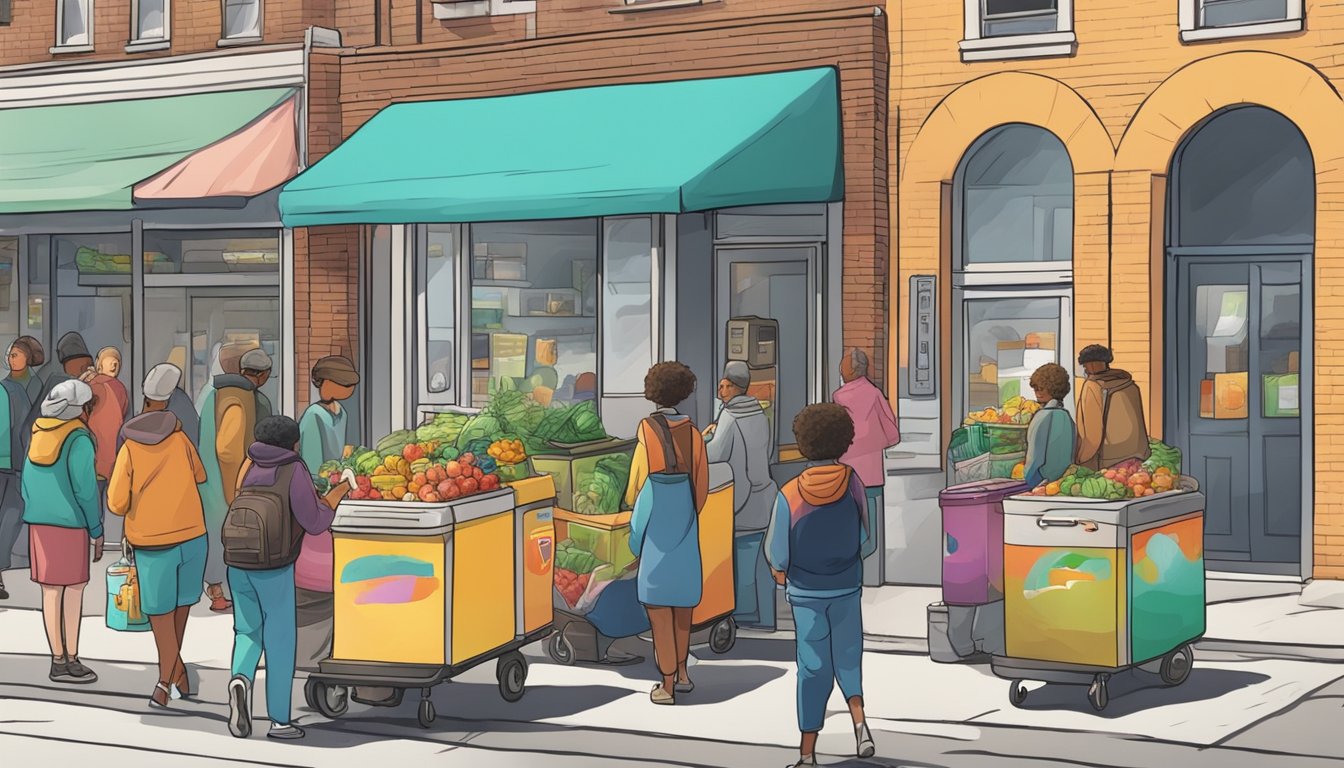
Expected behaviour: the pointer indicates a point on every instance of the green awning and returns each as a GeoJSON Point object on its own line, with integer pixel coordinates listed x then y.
{"type": "Point", "coordinates": [87, 157]}
{"type": "Point", "coordinates": [690, 145]}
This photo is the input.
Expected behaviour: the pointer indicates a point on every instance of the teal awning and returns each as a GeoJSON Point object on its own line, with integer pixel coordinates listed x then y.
{"type": "Point", "coordinates": [87, 157]}
{"type": "Point", "coordinates": [690, 145]}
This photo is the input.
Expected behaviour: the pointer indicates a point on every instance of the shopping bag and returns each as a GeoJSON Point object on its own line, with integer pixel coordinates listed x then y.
{"type": "Point", "coordinates": [123, 594]}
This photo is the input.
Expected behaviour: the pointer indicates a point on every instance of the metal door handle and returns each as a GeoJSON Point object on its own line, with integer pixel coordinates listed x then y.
{"type": "Point", "coordinates": [1067, 522]}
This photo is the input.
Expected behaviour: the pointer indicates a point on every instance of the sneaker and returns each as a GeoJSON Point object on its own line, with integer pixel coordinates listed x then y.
{"type": "Point", "coordinates": [240, 707]}
{"type": "Point", "coordinates": [659, 695]}
{"type": "Point", "coordinates": [864, 739]}
{"type": "Point", "coordinates": [285, 732]}
{"type": "Point", "coordinates": [60, 672]}
{"type": "Point", "coordinates": [685, 687]}
{"type": "Point", "coordinates": [78, 673]}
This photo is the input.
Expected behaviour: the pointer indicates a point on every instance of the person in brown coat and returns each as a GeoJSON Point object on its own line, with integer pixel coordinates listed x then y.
{"type": "Point", "coordinates": [1111, 425]}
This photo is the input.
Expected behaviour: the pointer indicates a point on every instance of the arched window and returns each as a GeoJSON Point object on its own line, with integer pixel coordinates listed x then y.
{"type": "Point", "coordinates": [1016, 195]}
{"type": "Point", "coordinates": [1245, 177]}
{"type": "Point", "coordinates": [1012, 264]}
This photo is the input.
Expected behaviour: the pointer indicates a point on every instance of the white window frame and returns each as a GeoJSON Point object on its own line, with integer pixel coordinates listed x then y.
{"type": "Point", "coordinates": [976, 47]}
{"type": "Point", "coordinates": [141, 43]}
{"type": "Point", "coordinates": [255, 34]}
{"type": "Point", "coordinates": [635, 6]}
{"type": "Point", "coordinates": [1192, 31]}
{"type": "Point", "coordinates": [61, 45]}
{"type": "Point", "coordinates": [470, 9]}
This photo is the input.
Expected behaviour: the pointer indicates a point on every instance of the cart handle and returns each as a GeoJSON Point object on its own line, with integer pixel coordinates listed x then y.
{"type": "Point", "coordinates": [1067, 522]}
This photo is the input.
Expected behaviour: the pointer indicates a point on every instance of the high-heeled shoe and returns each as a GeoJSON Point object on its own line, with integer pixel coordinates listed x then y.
{"type": "Point", "coordinates": [161, 696]}
{"type": "Point", "coordinates": [183, 685]}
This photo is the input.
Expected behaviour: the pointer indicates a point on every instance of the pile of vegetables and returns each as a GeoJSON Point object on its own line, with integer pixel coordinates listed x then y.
{"type": "Point", "coordinates": [443, 429]}
{"type": "Point", "coordinates": [574, 571]}
{"type": "Point", "coordinates": [1130, 479]}
{"type": "Point", "coordinates": [601, 491]}
{"type": "Point", "coordinates": [569, 425]}
{"type": "Point", "coordinates": [1163, 456]}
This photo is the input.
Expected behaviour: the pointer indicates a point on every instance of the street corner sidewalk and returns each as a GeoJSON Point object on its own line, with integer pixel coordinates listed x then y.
{"type": "Point", "coordinates": [208, 641]}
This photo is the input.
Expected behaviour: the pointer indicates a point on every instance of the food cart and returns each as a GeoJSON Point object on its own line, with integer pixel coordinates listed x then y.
{"type": "Point", "coordinates": [595, 594]}
{"type": "Point", "coordinates": [426, 591]}
{"type": "Point", "coordinates": [1099, 583]}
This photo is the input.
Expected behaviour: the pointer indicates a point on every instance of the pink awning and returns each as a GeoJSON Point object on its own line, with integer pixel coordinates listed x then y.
{"type": "Point", "coordinates": [258, 158]}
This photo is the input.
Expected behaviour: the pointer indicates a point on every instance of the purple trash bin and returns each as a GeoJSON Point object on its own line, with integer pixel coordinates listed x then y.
{"type": "Point", "coordinates": [973, 540]}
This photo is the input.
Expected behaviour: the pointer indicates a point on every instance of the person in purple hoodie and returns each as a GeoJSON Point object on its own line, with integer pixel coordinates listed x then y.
{"type": "Point", "coordinates": [875, 431]}
{"type": "Point", "coordinates": [263, 600]}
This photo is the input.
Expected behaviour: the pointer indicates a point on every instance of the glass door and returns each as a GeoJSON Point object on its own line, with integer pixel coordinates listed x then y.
{"type": "Point", "coordinates": [778, 284]}
{"type": "Point", "coordinates": [1239, 384]}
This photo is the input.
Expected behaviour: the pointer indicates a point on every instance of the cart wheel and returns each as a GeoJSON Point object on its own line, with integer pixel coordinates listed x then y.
{"type": "Point", "coordinates": [723, 636]}
{"type": "Point", "coordinates": [512, 674]}
{"type": "Point", "coordinates": [1177, 664]}
{"type": "Point", "coordinates": [1097, 694]}
{"type": "Point", "coordinates": [331, 701]}
{"type": "Point", "coordinates": [1017, 693]}
{"type": "Point", "coordinates": [560, 649]}
{"type": "Point", "coordinates": [426, 713]}
{"type": "Point", "coordinates": [500, 664]}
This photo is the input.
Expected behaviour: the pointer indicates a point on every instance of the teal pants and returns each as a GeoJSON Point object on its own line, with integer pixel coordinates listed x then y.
{"type": "Point", "coordinates": [264, 621]}
{"type": "Point", "coordinates": [829, 633]}
{"type": "Point", "coordinates": [755, 588]}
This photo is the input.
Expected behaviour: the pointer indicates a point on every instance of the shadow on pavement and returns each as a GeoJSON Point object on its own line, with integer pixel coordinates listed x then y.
{"type": "Point", "coordinates": [1136, 691]}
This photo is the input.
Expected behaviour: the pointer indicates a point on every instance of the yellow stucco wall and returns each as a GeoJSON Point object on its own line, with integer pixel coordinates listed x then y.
{"type": "Point", "coordinates": [1121, 105]}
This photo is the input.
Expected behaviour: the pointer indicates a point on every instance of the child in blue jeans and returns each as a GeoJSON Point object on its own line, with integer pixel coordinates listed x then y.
{"type": "Point", "coordinates": [814, 545]}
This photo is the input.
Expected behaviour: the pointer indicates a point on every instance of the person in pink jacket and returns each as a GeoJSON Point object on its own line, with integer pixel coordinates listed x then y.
{"type": "Point", "coordinates": [875, 431]}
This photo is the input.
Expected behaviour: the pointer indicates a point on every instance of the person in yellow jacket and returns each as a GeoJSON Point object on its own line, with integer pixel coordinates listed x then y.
{"type": "Point", "coordinates": [154, 487]}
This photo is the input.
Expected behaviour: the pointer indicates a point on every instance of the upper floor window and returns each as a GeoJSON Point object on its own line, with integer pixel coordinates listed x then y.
{"type": "Point", "coordinates": [1215, 19]}
{"type": "Point", "coordinates": [1016, 29]}
{"type": "Point", "coordinates": [242, 19]}
{"type": "Point", "coordinates": [149, 20]}
{"type": "Point", "coordinates": [73, 28]}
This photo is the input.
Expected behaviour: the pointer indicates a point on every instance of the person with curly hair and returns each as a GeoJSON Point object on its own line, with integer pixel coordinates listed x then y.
{"type": "Point", "coordinates": [815, 547]}
{"type": "Point", "coordinates": [669, 481]}
{"type": "Point", "coordinates": [1111, 424]}
{"type": "Point", "coordinates": [1050, 436]}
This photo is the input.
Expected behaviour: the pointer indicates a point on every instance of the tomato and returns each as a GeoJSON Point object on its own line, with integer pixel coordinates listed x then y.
{"type": "Point", "coordinates": [454, 470]}
{"type": "Point", "coordinates": [450, 492]}
{"type": "Point", "coordinates": [469, 485]}
{"type": "Point", "coordinates": [467, 459]}
{"type": "Point", "coordinates": [490, 483]}
{"type": "Point", "coordinates": [477, 473]}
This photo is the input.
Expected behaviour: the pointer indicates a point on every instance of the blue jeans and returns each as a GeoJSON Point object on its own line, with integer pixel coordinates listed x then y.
{"type": "Point", "coordinates": [754, 588]}
{"type": "Point", "coordinates": [874, 498]}
{"type": "Point", "coordinates": [830, 650]}
{"type": "Point", "coordinates": [264, 621]}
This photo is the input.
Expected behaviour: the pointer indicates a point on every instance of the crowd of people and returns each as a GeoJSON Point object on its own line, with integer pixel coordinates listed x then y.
{"type": "Point", "coordinates": [81, 470]}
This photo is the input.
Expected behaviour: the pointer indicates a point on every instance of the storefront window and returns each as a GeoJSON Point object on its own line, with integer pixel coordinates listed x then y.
{"type": "Point", "coordinates": [1006, 341]}
{"type": "Point", "coordinates": [1017, 198]}
{"type": "Point", "coordinates": [627, 304]}
{"type": "Point", "coordinates": [436, 273]}
{"type": "Point", "coordinates": [93, 294]}
{"type": "Point", "coordinates": [533, 308]}
{"type": "Point", "coordinates": [9, 288]}
{"type": "Point", "coordinates": [212, 252]}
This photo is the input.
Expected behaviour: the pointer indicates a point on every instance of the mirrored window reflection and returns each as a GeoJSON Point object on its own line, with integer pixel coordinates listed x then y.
{"type": "Point", "coordinates": [1221, 326]}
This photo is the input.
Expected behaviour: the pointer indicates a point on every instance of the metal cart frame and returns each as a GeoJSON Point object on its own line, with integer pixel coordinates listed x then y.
{"type": "Point", "coordinates": [329, 690]}
{"type": "Point", "coordinates": [576, 640]}
{"type": "Point", "coordinates": [1173, 667]}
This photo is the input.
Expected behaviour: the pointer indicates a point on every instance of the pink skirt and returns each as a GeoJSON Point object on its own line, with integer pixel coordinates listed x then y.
{"type": "Point", "coordinates": [60, 556]}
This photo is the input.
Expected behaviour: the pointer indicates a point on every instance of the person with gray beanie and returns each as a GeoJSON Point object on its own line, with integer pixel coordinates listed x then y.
{"type": "Point", "coordinates": [742, 438]}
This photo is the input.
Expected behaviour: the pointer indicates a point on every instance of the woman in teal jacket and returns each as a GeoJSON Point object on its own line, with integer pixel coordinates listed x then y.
{"type": "Point", "coordinates": [64, 515]}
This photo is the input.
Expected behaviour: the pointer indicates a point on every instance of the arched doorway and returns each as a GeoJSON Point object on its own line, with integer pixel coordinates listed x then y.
{"type": "Point", "coordinates": [1012, 264]}
{"type": "Point", "coordinates": [1240, 240]}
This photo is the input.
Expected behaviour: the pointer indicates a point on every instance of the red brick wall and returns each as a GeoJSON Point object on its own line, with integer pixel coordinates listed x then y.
{"type": "Point", "coordinates": [729, 38]}
{"type": "Point", "coordinates": [326, 263]}
{"type": "Point", "coordinates": [197, 26]}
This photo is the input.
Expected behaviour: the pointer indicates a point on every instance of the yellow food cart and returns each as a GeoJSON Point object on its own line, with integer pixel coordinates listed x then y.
{"type": "Point", "coordinates": [426, 591]}
{"type": "Point", "coordinates": [607, 609]}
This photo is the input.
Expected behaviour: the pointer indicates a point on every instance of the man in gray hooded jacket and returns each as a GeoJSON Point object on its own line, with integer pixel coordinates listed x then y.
{"type": "Point", "coordinates": [742, 438]}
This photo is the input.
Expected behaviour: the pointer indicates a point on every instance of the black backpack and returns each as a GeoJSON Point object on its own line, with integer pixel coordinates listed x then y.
{"type": "Point", "coordinates": [260, 532]}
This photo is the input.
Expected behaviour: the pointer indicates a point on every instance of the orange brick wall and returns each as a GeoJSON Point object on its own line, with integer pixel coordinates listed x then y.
{"type": "Point", "coordinates": [1121, 104]}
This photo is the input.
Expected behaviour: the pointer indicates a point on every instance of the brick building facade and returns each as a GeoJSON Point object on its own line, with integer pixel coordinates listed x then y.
{"type": "Point", "coordinates": [1136, 94]}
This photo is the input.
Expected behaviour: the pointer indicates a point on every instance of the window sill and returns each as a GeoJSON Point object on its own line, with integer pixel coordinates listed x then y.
{"type": "Point", "coordinates": [1246, 30]}
{"type": "Point", "coordinates": [57, 50]}
{"type": "Point", "coordinates": [658, 5]}
{"type": "Point", "coordinates": [144, 46]}
{"type": "Point", "coordinates": [1047, 44]}
{"type": "Point", "coordinates": [231, 42]}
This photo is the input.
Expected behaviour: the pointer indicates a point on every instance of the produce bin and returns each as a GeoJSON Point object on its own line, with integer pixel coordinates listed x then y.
{"type": "Point", "coordinates": [424, 584]}
{"type": "Point", "coordinates": [973, 540]}
{"type": "Point", "coordinates": [1105, 584]}
{"type": "Point", "coordinates": [606, 537]}
{"type": "Point", "coordinates": [1006, 438]}
{"type": "Point", "coordinates": [574, 467]}
{"type": "Point", "coordinates": [534, 553]}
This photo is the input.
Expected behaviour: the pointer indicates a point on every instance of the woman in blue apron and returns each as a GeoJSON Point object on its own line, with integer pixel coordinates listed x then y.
{"type": "Point", "coordinates": [669, 479]}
